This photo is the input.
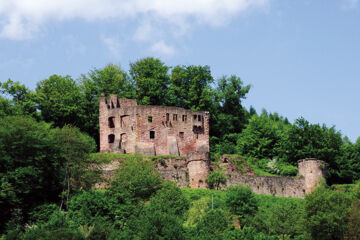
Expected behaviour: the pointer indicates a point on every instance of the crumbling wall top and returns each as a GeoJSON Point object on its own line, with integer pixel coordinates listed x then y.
{"type": "Point", "coordinates": [197, 156]}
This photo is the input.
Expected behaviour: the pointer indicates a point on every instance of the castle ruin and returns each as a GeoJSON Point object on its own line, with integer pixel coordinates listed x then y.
{"type": "Point", "coordinates": [126, 127]}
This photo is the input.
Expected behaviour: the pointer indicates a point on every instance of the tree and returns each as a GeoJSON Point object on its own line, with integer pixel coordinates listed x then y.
{"type": "Point", "coordinates": [30, 167]}
{"type": "Point", "coordinates": [353, 228]}
{"type": "Point", "coordinates": [261, 137]}
{"type": "Point", "coordinates": [326, 213]}
{"type": "Point", "coordinates": [197, 211]}
{"type": "Point", "coordinates": [75, 148]}
{"type": "Point", "coordinates": [213, 224]}
{"type": "Point", "coordinates": [241, 201]}
{"type": "Point", "coordinates": [151, 81]}
{"type": "Point", "coordinates": [190, 88]}
{"type": "Point", "coordinates": [285, 219]}
{"type": "Point", "coordinates": [305, 140]}
{"type": "Point", "coordinates": [169, 199]}
{"type": "Point", "coordinates": [136, 180]}
{"type": "Point", "coordinates": [216, 178]}
{"type": "Point", "coordinates": [231, 115]}
{"type": "Point", "coordinates": [22, 100]}
{"type": "Point", "coordinates": [108, 80]}
{"type": "Point", "coordinates": [228, 116]}
{"type": "Point", "coordinates": [59, 99]}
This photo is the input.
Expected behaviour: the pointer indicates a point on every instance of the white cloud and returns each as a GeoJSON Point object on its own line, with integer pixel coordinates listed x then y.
{"type": "Point", "coordinates": [163, 49]}
{"type": "Point", "coordinates": [113, 45]}
{"type": "Point", "coordinates": [20, 19]}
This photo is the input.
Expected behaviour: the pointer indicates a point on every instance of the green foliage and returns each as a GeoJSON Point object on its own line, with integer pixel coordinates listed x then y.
{"type": "Point", "coordinates": [197, 211]}
{"type": "Point", "coordinates": [169, 199]}
{"type": "Point", "coordinates": [215, 179]}
{"type": "Point", "coordinates": [30, 170]}
{"type": "Point", "coordinates": [247, 233]}
{"type": "Point", "coordinates": [87, 208]}
{"type": "Point", "coordinates": [151, 80]}
{"type": "Point", "coordinates": [190, 88]}
{"type": "Point", "coordinates": [327, 213]}
{"type": "Point", "coordinates": [212, 225]}
{"type": "Point", "coordinates": [304, 140]}
{"type": "Point", "coordinates": [22, 100]}
{"type": "Point", "coordinates": [353, 228]}
{"type": "Point", "coordinates": [241, 201]}
{"type": "Point", "coordinates": [136, 180]}
{"type": "Point", "coordinates": [108, 80]}
{"type": "Point", "coordinates": [75, 147]}
{"type": "Point", "coordinates": [261, 137]}
{"type": "Point", "coordinates": [59, 100]}
{"type": "Point", "coordinates": [157, 225]}
{"type": "Point", "coordinates": [42, 213]}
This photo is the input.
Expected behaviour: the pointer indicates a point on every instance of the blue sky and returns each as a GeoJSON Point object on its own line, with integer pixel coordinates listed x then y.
{"type": "Point", "coordinates": [302, 58]}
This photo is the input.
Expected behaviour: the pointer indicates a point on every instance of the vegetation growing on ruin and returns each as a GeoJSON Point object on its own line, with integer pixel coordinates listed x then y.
{"type": "Point", "coordinates": [49, 136]}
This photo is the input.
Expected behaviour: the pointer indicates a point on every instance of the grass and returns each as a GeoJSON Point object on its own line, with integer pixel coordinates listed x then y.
{"type": "Point", "coordinates": [258, 171]}
{"type": "Point", "coordinates": [106, 158]}
{"type": "Point", "coordinates": [219, 196]}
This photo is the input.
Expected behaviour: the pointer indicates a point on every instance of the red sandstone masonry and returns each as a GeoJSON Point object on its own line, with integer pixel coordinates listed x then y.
{"type": "Point", "coordinates": [126, 127]}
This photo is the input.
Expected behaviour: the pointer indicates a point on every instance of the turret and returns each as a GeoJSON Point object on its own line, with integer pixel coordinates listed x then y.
{"type": "Point", "coordinates": [313, 171]}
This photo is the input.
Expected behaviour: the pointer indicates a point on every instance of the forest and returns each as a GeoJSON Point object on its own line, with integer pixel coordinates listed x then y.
{"type": "Point", "coordinates": [48, 137]}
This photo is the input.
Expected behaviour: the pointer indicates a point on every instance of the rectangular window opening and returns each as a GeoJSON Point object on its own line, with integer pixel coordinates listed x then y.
{"type": "Point", "coordinates": [175, 117]}
{"type": "Point", "coordinates": [181, 134]}
{"type": "Point", "coordinates": [111, 122]}
{"type": "Point", "coordinates": [195, 117]}
{"type": "Point", "coordinates": [152, 134]}
{"type": "Point", "coordinates": [150, 119]}
{"type": "Point", "coordinates": [184, 118]}
{"type": "Point", "coordinates": [167, 117]}
{"type": "Point", "coordinates": [111, 138]}
{"type": "Point", "coordinates": [199, 117]}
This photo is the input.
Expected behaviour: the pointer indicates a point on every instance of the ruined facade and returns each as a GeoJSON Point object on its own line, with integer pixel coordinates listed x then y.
{"type": "Point", "coordinates": [126, 127]}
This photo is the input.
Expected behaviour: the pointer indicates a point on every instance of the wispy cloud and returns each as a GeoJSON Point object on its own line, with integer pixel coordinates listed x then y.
{"type": "Point", "coordinates": [162, 49]}
{"type": "Point", "coordinates": [21, 19]}
{"type": "Point", "coordinates": [113, 45]}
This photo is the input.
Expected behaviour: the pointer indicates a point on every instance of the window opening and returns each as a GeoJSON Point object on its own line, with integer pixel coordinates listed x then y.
{"type": "Point", "coordinates": [152, 134]}
{"type": "Point", "coordinates": [167, 117]}
{"type": "Point", "coordinates": [184, 118]}
{"type": "Point", "coordinates": [111, 122]}
{"type": "Point", "coordinates": [195, 117]}
{"type": "Point", "coordinates": [199, 117]}
{"type": "Point", "coordinates": [149, 118]}
{"type": "Point", "coordinates": [181, 134]}
{"type": "Point", "coordinates": [175, 117]}
{"type": "Point", "coordinates": [111, 138]}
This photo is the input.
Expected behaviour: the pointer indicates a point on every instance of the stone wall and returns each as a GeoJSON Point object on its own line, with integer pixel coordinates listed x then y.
{"type": "Point", "coordinates": [198, 166]}
{"type": "Point", "coordinates": [126, 127]}
{"type": "Point", "coordinates": [311, 171]}
{"type": "Point", "coordinates": [277, 186]}
{"type": "Point", "coordinates": [192, 171]}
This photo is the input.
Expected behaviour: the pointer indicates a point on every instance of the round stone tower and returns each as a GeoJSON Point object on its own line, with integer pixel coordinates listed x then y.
{"type": "Point", "coordinates": [313, 171]}
{"type": "Point", "coordinates": [198, 166]}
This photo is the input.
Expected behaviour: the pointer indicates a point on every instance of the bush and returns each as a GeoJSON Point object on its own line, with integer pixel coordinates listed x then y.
{"type": "Point", "coordinates": [90, 207]}
{"type": "Point", "coordinates": [169, 199]}
{"type": "Point", "coordinates": [42, 213]}
{"type": "Point", "coordinates": [213, 224]}
{"type": "Point", "coordinates": [241, 201]}
{"type": "Point", "coordinates": [215, 179]}
{"type": "Point", "coordinates": [327, 213]}
{"type": "Point", "coordinates": [136, 180]}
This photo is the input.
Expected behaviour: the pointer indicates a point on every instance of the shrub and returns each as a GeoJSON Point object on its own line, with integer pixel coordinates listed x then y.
{"type": "Point", "coordinates": [216, 178]}
{"type": "Point", "coordinates": [241, 201]}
